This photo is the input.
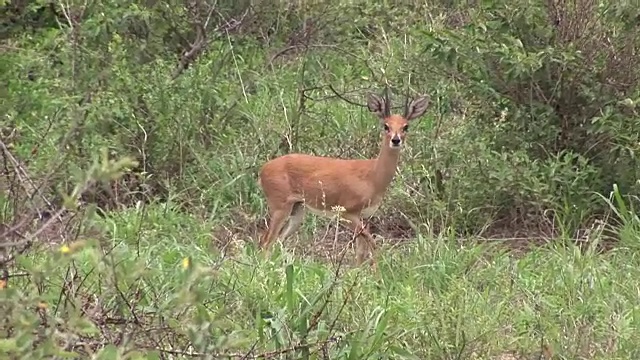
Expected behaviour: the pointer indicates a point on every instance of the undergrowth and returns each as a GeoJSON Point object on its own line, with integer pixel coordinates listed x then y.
{"type": "Point", "coordinates": [132, 134]}
{"type": "Point", "coordinates": [156, 286]}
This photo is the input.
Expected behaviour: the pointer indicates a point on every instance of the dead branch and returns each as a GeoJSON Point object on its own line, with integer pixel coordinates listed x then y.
{"type": "Point", "coordinates": [28, 185]}
{"type": "Point", "coordinates": [287, 49]}
{"type": "Point", "coordinates": [265, 355]}
{"type": "Point", "coordinates": [28, 240]}
{"type": "Point", "coordinates": [198, 46]}
{"type": "Point", "coordinates": [16, 239]}
{"type": "Point", "coordinates": [341, 97]}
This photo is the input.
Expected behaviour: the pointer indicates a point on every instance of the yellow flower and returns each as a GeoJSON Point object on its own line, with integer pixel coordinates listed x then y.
{"type": "Point", "coordinates": [65, 249]}
{"type": "Point", "coordinates": [186, 263]}
{"type": "Point", "coordinates": [72, 247]}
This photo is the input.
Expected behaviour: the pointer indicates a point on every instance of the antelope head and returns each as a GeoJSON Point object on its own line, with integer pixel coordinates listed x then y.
{"type": "Point", "coordinates": [395, 126]}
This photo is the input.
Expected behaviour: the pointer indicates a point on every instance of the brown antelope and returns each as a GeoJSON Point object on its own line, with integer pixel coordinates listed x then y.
{"type": "Point", "coordinates": [328, 186]}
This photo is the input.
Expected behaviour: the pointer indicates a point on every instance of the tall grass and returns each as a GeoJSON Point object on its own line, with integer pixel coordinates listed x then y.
{"type": "Point", "coordinates": [432, 298]}
{"type": "Point", "coordinates": [176, 274]}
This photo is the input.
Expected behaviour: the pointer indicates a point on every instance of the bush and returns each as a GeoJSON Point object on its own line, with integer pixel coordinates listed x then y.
{"type": "Point", "coordinates": [533, 122]}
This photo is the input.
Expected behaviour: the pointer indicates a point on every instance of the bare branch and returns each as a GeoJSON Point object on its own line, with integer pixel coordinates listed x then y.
{"type": "Point", "coordinates": [266, 355]}
{"type": "Point", "coordinates": [201, 41]}
{"type": "Point", "coordinates": [190, 55]}
{"type": "Point", "coordinates": [341, 97]}
{"type": "Point", "coordinates": [287, 49]}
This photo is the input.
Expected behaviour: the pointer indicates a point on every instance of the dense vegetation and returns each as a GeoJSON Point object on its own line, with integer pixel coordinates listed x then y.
{"type": "Point", "coordinates": [132, 134]}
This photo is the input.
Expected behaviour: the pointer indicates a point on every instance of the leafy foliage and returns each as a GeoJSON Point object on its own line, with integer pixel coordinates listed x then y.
{"type": "Point", "coordinates": [534, 121]}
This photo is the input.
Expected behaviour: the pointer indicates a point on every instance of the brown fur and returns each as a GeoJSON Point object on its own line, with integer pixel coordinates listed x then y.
{"type": "Point", "coordinates": [295, 181]}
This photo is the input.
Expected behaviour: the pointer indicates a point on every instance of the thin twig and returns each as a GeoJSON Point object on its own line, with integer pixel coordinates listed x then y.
{"type": "Point", "coordinates": [265, 355]}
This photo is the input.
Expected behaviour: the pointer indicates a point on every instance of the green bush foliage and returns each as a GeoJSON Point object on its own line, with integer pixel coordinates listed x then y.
{"type": "Point", "coordinates": [132, 134]}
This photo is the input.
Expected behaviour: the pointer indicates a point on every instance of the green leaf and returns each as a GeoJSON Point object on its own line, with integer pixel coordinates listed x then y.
{"type": "Point", "coordinates": [67, 354]}
{"type": "Point", "coordinates": [289, 295]}
{"type": "Point", "coordinates": [404, 353]}
{"type": "Point", "coordinates": [355, 352]}
{"type": "Point", "coordinates": [382, 320]}
{"type": "Point", "coordinates": [109, 352]}
{"type": "Point", "coordinates": [151, 355]}
{"type": "Point", "coordinates": [8, 345]}
{"type": "Point", "coordinates": [86, 327]}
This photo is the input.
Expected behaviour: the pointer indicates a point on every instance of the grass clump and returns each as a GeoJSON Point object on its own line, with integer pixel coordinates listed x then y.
{"type": "Point", "coordinates": [157, 287]}
{"type": "Point", "coordinates": [131, 136]}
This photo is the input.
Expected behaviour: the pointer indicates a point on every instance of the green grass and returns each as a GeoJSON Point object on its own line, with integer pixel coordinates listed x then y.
{"type": "Point", "coordinates": [164, 280]}
{"type": "Point", "coordinates": [432, 298]}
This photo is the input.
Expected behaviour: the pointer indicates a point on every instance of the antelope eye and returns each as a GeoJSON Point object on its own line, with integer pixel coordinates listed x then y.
{"type": "Point", "coordinates": [405, 128]}
{"type": "Point", "coordinates": [386, 127]}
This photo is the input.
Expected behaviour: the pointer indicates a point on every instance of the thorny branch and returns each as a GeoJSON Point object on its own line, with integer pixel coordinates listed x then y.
{"type": "Point", "coordinates": [13, 241]}
{"type": "Point", "coordinates": [21, 173]}
{"type": "Point", "coordinates": [266, 355]}
{"type": "Point", "coordinates": [287, 49]}
{"type": "Point", "coordinates": [343, 98]}
{"type": "Point", "coordinates": [197, 47]}
{"type": "Point", "coordinates": [10, 234]}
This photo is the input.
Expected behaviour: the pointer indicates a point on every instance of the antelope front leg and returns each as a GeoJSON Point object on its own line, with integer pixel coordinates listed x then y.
{"type": "Point", "coordinates": [365, 244]}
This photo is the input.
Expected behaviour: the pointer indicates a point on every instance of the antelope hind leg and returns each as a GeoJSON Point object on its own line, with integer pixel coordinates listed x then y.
{"type": "Point", "coordinates": [294, 222]}
{"type": "Point", "coordinates": [365, 244]}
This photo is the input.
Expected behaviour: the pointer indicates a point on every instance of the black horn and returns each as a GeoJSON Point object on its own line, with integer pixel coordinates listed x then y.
{"type": "Point", "coordinates": [387, 102]}
{"type": "Point", "coordinates": [406, 103]}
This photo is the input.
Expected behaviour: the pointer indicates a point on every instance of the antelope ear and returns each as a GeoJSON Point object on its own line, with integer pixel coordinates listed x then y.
{"type": "Point", "coordinates": [417, 108]}
{"type": "Point", "coordinates": [376, 105]}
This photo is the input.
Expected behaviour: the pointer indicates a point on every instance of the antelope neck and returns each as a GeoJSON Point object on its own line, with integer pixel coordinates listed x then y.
{"type": "Point", "coordinates": [386, 164]}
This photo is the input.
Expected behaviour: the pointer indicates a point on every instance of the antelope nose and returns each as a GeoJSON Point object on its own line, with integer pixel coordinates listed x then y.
{"type": "Point", "coordinates": [395, 141]}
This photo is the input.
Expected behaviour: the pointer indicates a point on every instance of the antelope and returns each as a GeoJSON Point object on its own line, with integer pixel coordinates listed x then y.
{"type": "Point", "coordinates": [350, 188]}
